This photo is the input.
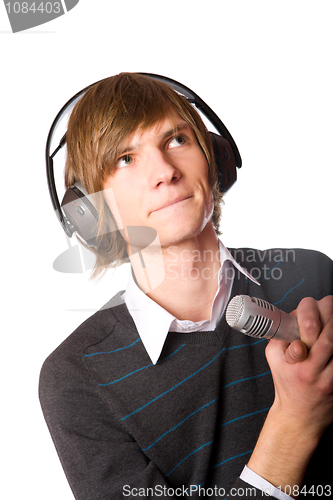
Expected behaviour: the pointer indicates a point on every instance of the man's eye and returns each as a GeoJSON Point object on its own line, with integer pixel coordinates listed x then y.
{"type": "Point", "coordinates": [124, 161]}
{"type": "Point", "coordinates": [177, 141]}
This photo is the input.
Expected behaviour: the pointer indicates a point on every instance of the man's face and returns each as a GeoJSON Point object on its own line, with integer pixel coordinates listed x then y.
{"type": "Point", "coordinates": [161, 181]}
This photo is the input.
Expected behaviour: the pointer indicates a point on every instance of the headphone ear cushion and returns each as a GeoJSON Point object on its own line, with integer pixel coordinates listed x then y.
{"type": "Point", "coordinates": [225, 162]}
{"type": "Point", "coordinates": [81, 215]}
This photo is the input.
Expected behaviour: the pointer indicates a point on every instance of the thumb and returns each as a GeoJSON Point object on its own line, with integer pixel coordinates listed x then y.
{"type": "Point", "coordinates": [296, 352]}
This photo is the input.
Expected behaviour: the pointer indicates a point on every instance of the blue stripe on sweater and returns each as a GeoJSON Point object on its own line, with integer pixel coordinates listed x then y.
{"type": "Point", "coordinates": [245, 379]}
{"type": "Point", "coordinates": [232, 458]}
{"type": "Point", "coordinates": [195, 373]}
{"type": "Point", "coordinates": [244, 416]}
{"type": "Point", "coordinates": [180, 423]}
{"type": "Point", "coordinates": [111, 352]}
{"type": "Point", "coordinates": [142, 368]}
{"type": "Point", "coordinates": [274, 268]}
{"type": "Point", "coordinates": [217, 465]}
{"type": "Point", "coordinates": [188, 456]}
{"type": "Point", "coordinates": [244, 345]}
{"type": "Point", "coordinates": [285, 295]}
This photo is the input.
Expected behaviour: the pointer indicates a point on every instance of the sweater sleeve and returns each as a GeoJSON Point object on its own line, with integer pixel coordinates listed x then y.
{"type": "Point", "coordinates": [100, 459]}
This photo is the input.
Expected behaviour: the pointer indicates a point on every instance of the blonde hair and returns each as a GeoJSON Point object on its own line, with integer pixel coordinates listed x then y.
{"type": "Point", "coordinates": [108, 113]}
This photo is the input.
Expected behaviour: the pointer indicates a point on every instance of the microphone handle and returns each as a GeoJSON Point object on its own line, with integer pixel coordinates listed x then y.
{"type": "Point", "coordinates": [288, 328]}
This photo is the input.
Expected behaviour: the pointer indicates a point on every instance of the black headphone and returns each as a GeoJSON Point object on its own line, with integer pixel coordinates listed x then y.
{"type": "Point", "coordinates": [77, 213]}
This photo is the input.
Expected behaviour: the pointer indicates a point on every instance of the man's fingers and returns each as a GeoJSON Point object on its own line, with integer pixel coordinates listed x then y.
{"type": "Point", "coordinates": [309, 321]}
{"type": "Point", "coordinates": [312, 316]}
{"type": "Point", "coordinates": [325, 309]}
{"type": "Point", "coordinates": [296, 352]}
{"type": "Point", "coordinates": [315, 321]}
{"type": "Point", "coordinates": [322, 351]}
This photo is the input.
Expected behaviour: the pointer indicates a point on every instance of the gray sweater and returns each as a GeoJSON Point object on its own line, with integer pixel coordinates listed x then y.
{"type": "Point", "coordinates": [185, 427]}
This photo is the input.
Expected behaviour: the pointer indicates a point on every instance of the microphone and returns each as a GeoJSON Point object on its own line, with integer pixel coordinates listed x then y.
{"type": "Point", "coordinates": [258, 318]}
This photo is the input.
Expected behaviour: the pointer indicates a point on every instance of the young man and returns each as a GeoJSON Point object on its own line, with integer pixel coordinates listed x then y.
{"type": "Point", "coordinates": [155, 395]}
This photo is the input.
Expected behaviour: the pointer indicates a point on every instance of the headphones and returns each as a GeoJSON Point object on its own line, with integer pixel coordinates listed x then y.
{"type": "Point", "coordinates": [77, 213]}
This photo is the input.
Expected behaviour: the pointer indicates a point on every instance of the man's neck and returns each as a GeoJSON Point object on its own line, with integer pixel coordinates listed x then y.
{"type": "Point", "coordinates": [190, 276]}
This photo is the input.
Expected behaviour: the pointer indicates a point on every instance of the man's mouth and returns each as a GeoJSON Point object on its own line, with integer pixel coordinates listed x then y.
{"type": "Point", "coordinates": [170, 203]}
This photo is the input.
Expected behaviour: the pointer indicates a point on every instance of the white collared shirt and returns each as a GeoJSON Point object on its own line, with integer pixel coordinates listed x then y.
{"type": "Point", "coordinates": [153, 322]}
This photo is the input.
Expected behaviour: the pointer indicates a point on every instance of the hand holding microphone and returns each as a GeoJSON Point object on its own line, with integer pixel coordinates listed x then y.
{"type": "Point", "coordinates": [258, 318]}
{"type": "Point", "coordinates": [303, 405]}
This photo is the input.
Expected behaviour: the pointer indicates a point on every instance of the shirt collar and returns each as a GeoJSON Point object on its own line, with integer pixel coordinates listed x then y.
{"type": "Point", "coordinates": [153, 322]}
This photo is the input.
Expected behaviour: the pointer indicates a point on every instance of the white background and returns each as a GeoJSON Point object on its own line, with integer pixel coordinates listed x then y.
{"type": "Point", "coordinates": [265, 67]}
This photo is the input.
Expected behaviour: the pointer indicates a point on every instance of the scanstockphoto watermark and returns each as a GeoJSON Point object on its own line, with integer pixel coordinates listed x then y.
{"type": "Point", "coordinates": [27, 14]}
{"type": "Point", "coordinates": [198, 491]}
{"type": "Point", "coordinates": [264, 264]}
{"type": "Point", "coordinates": [260, 264]}
{"type": "Point", "coordinates": [161, 491]}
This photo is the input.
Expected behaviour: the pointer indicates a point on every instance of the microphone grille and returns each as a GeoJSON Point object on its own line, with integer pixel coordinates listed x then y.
{"type": "Point", "coordinates": [234, 310]}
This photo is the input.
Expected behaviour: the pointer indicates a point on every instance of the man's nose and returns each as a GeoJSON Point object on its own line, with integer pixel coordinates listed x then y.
{"type": "Point", "coordinates": [161, 169]}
